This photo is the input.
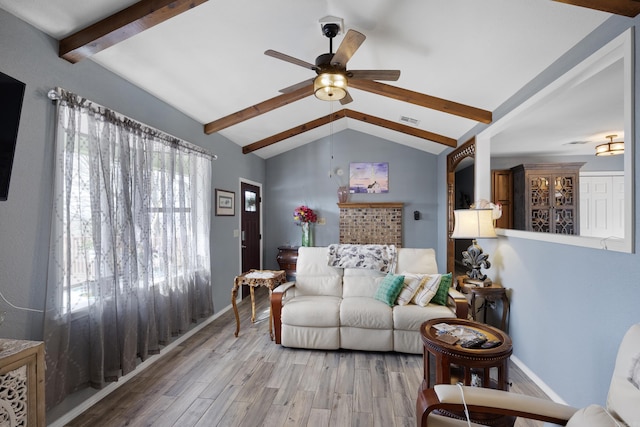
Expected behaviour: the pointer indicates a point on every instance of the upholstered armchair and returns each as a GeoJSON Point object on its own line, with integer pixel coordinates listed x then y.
{"type": "Point", "coordinates": [622, 406]}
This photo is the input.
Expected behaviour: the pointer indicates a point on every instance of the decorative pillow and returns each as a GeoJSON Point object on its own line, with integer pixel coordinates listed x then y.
{"type": "Point", "coordinates": [442, 293]}
{"type": "Point", "coordinates": [389, 289]}
{"type": "Point", "coordinates": [592, 416]}
{"type": "Point", "coordinates": [634, 372]}
{"type": "Point", "coordinates": [427, 290]}
{"type": "Point", "coordinates": [412, 283]}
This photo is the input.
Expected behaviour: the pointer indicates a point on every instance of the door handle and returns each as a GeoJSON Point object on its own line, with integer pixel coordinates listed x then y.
{"type": "Point", "coordinates": [243, 247]}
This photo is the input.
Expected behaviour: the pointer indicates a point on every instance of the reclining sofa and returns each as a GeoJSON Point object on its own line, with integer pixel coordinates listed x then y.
{"type": "Point", "coordinates": [329, 307]}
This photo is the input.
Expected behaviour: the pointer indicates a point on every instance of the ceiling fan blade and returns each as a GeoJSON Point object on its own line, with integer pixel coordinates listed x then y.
{"type": "Point", "coordinates": [348, 47]}
{"type": "Point", "coordinates": [347, 99]}
{"type": "Point", "coordinates": [291, 59]}
{"type": "Point", "coordinates": [374, 74]}
{"type": "Point", "coordinates": [296, 86]}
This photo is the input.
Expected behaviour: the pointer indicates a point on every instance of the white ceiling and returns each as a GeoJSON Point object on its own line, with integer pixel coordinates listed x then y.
{"type": "Point", "coordinates": [209, 62]}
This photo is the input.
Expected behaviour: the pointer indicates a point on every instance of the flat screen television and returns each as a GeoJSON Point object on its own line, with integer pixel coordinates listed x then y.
{"type": "Point", "coordinates": [11, 95]}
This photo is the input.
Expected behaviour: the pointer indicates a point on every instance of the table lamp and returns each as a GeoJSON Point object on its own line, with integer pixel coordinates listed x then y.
{"type": "Point", "coordinates": [474, 224]}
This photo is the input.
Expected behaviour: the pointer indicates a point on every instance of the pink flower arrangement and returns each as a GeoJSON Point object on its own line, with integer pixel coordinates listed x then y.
{"type": "Point", "coordinates": [304, 214]}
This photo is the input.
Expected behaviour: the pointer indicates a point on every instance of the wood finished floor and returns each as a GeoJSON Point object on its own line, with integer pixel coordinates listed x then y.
{"type": "Point", "coordinates": [215, 379]}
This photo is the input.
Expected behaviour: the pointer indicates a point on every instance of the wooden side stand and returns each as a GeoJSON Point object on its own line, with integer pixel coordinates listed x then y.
{"type": "Point", "coordinates": [493, 292]}
{"type": "Point", "coordinates": [454, 363]}
{"type": "Point", "coordinates": [267, 278]}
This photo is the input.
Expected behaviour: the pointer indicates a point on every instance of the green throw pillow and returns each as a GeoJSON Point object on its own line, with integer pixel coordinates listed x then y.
{"type": "Point", "coordinates": [441, 295]}
{"type": "Point", "coordinates": [389, 289]}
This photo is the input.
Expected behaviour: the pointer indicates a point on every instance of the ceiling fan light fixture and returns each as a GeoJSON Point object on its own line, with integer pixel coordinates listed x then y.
{"type": "Point", "coordinates": [330, 86]}
{"type": "Point", "coordinates": [610, 148]}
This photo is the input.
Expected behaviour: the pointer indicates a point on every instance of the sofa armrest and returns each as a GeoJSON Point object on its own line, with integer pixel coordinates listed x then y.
{"type": "Point", "coordinates": [449, 398]}
{"type": "Point", "coordinates": [459, 303]}
{"type": "Point", "coordinates": [276, 307]}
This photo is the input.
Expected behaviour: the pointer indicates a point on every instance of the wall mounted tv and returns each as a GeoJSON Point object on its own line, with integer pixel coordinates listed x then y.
{"type": "Point", "coordinates": [11, 95]}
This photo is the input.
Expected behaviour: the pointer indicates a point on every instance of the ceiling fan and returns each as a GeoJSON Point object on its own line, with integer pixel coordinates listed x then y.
{"type": "Point", "coordinates": [332, 78]}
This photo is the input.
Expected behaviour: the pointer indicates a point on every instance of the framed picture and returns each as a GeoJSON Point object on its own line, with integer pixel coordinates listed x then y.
{"type": "Point", "coordinates": [225, 203]}
{"type": "Point", "coordinates": [369, 178]}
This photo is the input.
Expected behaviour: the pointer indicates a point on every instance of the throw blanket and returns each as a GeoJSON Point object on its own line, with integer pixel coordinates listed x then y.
{"type": "Point", "coordinates": [373, 257]}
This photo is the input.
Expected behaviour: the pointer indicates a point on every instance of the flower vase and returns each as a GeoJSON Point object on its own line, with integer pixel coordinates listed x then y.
{"type": "Point", "coordinates": [307, 238]}
{"type": "Point", "coordinates": [343, 194]}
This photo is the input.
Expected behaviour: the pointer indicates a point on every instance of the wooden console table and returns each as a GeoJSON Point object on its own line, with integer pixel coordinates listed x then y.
{"type": "Point", "coordinates": [22, 383]}
{"type": "Point", "coordinates": [254, 278]}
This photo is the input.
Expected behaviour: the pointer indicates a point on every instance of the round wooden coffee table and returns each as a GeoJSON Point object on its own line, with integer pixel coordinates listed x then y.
{"type": "Point", "coordinates": [454, 363]}
{"type": "Point", "coordinates": [480, 367]}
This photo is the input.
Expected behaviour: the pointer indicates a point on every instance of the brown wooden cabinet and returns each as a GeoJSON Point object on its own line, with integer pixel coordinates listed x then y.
{"type": "Point", "coordinates": [546, 197]}
{"type": "Point", "coordinates": [287, 260]}
{"type": "Point", "coordinates": [22, 382]}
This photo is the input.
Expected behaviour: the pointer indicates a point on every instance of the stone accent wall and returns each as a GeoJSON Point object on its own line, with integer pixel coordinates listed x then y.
{"type": "Point", "coordinates": [371, 223]}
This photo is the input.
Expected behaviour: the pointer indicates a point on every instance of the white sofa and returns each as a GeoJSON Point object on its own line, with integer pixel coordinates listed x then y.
{"type": "Point", "coordinates": [329, 308]}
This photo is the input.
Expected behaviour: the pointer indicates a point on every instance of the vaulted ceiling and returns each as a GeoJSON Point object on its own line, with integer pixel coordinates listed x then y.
{"type": "Point", "coordinates": [459, 59]}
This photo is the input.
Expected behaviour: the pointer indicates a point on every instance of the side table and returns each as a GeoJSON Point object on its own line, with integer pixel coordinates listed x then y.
{"type": "Point", "coordinates": [494, 292]}
{"type": "Point", "coordinates": [454, 363]}
{"type": "Point", "coordinates": [254, 278]}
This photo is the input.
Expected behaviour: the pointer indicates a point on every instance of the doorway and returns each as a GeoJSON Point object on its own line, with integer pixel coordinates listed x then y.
{"type": "Point", "coordinates": [250, 227]}
{"type": "Point", "coordinates": [463, 155]}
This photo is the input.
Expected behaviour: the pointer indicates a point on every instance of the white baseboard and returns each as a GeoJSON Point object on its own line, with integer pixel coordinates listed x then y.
{"type": "Point", "coordinates": [536, 379]}
{"type": "Point", "coordinates": [104, 392]}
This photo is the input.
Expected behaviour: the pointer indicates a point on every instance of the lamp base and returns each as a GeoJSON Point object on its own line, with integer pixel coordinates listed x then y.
{"type": "Point", "coordinates": [475, 259]}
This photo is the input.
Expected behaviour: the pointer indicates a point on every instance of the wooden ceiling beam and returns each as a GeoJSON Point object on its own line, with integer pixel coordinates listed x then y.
{"type": "Point", "coordinates": [398, 127]}
{"type": "Point", "coordinates": [427, 101]}
{"type": "Point", "coordinates": [120, 26]}
{"type": "Point", "coordinates": [297, 92]}
{"type": "Point", "coordinates": [258, 109]}
{"type": "Point", "coordinates": [293, 132]}
{"type": "Point", "coordinates": [377, 121]}
{"type": "Point", "coordinates": [629, 8]}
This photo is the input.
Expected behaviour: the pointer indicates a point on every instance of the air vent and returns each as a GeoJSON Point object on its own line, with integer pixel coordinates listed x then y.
{"type": "Point", "coordinates": [409, 120]}
{"type": "Point", "coordinates": [576, 143]}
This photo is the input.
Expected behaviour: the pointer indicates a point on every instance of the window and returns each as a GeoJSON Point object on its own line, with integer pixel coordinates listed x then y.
{"type": "Point", "coordinates": [129, 263]}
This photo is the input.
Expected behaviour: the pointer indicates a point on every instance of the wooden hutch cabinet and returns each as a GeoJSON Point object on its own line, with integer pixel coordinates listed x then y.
{"type": "Point", "coordinates": [545, 197]}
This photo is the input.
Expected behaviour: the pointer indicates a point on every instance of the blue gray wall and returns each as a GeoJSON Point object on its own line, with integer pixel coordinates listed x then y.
{"type": "Point", "coordinates": [30, 56]}
{"type": "Point", "coordinates": [301, 176]}
{"type": "Point", "coordinates": [570, 306]}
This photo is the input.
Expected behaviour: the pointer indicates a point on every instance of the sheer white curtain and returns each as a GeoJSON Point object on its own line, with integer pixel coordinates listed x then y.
{"type": "Point", "coordinates": [129, 264]}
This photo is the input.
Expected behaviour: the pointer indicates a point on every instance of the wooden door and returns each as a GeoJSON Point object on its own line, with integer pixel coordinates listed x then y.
{"type": "Point", "coordinates": [502, 192]}
{"type": "Point", "coordinates": [250, 235]}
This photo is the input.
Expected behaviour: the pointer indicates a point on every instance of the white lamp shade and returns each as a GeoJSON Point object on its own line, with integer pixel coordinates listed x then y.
{"type": "Point", "coordinates": [473, 224]}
